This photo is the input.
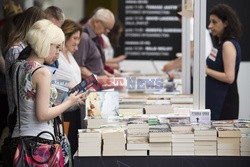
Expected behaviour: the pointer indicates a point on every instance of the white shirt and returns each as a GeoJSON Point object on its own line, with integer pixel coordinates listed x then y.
{"type": "Point", "coordinates": [71, 67]}
{"type": "Point", "coordinates": [108, 50]}
{"type": "Point", "coordinates": [208, 43]}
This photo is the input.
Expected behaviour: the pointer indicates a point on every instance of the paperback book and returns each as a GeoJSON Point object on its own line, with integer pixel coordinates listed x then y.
{"type": "Point", "coordinates": [102, 104]}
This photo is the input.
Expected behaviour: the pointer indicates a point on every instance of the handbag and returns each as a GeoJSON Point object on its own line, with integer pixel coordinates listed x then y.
{"type": "Point", "coordinates": [30, 152]}
{"type": "Point", "coordinates": [62, 138]}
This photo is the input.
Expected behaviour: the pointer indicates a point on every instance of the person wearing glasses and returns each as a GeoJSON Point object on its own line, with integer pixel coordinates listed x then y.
{"type": "Point", "coordinates": [90, 56]}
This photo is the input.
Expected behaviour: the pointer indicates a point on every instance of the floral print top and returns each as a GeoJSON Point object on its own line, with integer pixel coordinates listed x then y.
{"type": "Point", "coordinates": [29, 125]}
{"type": "Point", "coordinates": [26, 82]}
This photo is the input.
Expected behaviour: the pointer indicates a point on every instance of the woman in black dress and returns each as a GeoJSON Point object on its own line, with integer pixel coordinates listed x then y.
{"type": "Point", "coordinates": [223, 64]}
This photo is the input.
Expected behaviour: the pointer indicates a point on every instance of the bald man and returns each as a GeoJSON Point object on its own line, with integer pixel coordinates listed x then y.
{"type": "Point", "coordinates": [90, 56]}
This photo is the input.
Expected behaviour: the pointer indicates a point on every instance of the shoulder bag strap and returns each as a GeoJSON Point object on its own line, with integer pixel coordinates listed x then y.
{"type": "Point", "coordinates": [17, 87]}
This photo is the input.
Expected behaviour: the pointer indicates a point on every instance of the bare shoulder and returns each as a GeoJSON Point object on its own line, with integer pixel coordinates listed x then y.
{"type": "Point", "coordinates": [228, 44]}
{"type": "Point", "coordinates": [229, 50]}
{"type": "Point", "coordinates": [42, 72]}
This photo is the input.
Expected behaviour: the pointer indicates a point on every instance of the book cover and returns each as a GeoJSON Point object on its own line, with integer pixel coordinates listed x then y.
{"type": "Point", "coordinates": [61, 81]}
{"type": "Point", "coordinates": [200, 116]}
{"type": "Point", "coordinates": [102, 104]}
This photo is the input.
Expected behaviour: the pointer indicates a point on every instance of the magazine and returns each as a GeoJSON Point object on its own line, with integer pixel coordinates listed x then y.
{"type": "Point", "coordinates": [60, 80]}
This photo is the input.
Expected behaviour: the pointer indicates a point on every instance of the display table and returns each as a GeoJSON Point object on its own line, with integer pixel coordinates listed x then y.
{"type": "Point", "coordinates": [162, 161]}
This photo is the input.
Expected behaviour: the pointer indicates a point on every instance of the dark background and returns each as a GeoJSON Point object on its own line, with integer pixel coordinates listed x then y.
{"type": "Point", "coordinates": [241, 7]}
{"type": "Point", "coordinates": [117, 6]}
{"type": "Point", "coordinates": [174, 39]}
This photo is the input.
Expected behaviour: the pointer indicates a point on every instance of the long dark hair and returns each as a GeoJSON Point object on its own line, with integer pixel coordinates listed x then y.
{"type": "Point", "coordinates": [23, 24]}
{"type": "Point", "coordinates": [234, 28]}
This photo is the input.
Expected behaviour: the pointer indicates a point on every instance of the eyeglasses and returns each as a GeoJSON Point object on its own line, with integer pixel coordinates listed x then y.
{"type": "Point", "coordinates": [58, 46]}
{"type": "Point", "coordinates": [107, 30]}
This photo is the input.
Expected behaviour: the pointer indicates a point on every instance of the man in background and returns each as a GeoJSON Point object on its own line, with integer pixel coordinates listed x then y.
{"type": "Point", "coordinates": [90, 56]}
{"type": "Point", "coordinates": [56, 16]}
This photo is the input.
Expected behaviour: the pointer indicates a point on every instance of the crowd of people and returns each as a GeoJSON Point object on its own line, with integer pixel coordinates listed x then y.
{"type": "Point", "coordinates": [36, 38]}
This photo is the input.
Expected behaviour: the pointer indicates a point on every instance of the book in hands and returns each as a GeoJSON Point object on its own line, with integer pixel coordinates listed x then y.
{"type": "Point", "coordinates": [60, 80]}
{"type": "Point", "coordinates": [84, 85]}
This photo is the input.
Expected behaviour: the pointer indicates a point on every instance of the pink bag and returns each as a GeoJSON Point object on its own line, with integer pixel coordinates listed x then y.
{"type": "Point", "coordinates": [32, 153]}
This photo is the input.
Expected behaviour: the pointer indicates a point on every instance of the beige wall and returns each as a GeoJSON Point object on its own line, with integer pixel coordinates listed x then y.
{"type": "Point", "coordinates": [73, 9]}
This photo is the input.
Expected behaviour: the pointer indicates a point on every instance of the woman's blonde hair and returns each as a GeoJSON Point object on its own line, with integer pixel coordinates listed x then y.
{"type": "Point", "coordinates": [41, 35]}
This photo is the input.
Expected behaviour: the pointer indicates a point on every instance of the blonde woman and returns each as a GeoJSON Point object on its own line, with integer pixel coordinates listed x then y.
{"type": "Point", "coordinates": [35, 92]}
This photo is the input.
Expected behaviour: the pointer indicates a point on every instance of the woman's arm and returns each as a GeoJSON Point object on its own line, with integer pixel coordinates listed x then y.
{"type": "Point", "coordinates": [229, 60]}
{"type": "Point", "coordinates": [41, 79]}
{"type": "Point", "coordinates": [173, 65]}
{"type": "Point", "coordinates": [2, 65]}
{"type": "Point", "coordinates": [116, 59]}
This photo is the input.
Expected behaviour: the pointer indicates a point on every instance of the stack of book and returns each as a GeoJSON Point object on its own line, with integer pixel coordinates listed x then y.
{"type": "Point", "coordinates": [245, 145]}
{"type": "Point", "coordinates": [205, 141]}
{"type": "Point", "coordinates": [184, 105]}
{"type": "Point", "coordinates": [181, 100]}
{"type": "Point", "coordinates": [132, 103]}
{"type": "Point", "coordinates": [114, 141]}
{"type": "Point", "coordinates": [153, 120]}
{"type": "Point", "coordinates": [244, 127]}
{"type": "Point", "coordinates": [160, 133]}
{"type": "Point", "coordinates": [163, 119]}
{"type": "Point", "coordinates": [158, 109]}
{"type": "Point", "coordinates": [94, 123]}
{"type": "Point", "coordinates": [222, 123]}
{"type": "Point", "coordinates": [130, 111]}
{"type": "Point", "coordinates": [89, 142]}
{"type": "Point", "coordinates": [137, 137]}
{"type": "Point", "coordinates": [228, 141]}
{"type": "Point", "coordinates": [158, 102]}
{"type": "Point", "coordinates": [160, 138]}
{"type": "Point", "coordinates": [181, 127]}
{"type": "Point", "coordinates": [179, 118]}
{"type": "Point", "coordinates": [182, 139]}
{"type": "Point", "coordinates": [137, 149]}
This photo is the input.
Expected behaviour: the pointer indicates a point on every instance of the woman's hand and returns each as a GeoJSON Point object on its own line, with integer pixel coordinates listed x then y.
{"type": "Point", "coordinates": [74, 98]}
{"type": "Point", "coordinates": [82, 99]}
{"type": "Point", "coordinates": [206, 69]}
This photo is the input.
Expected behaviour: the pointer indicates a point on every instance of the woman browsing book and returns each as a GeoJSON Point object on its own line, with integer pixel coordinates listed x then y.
{"type": "Point", "coordinates": [34, 93]}
{"type": "Point", "coordinates": [72, 32]}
